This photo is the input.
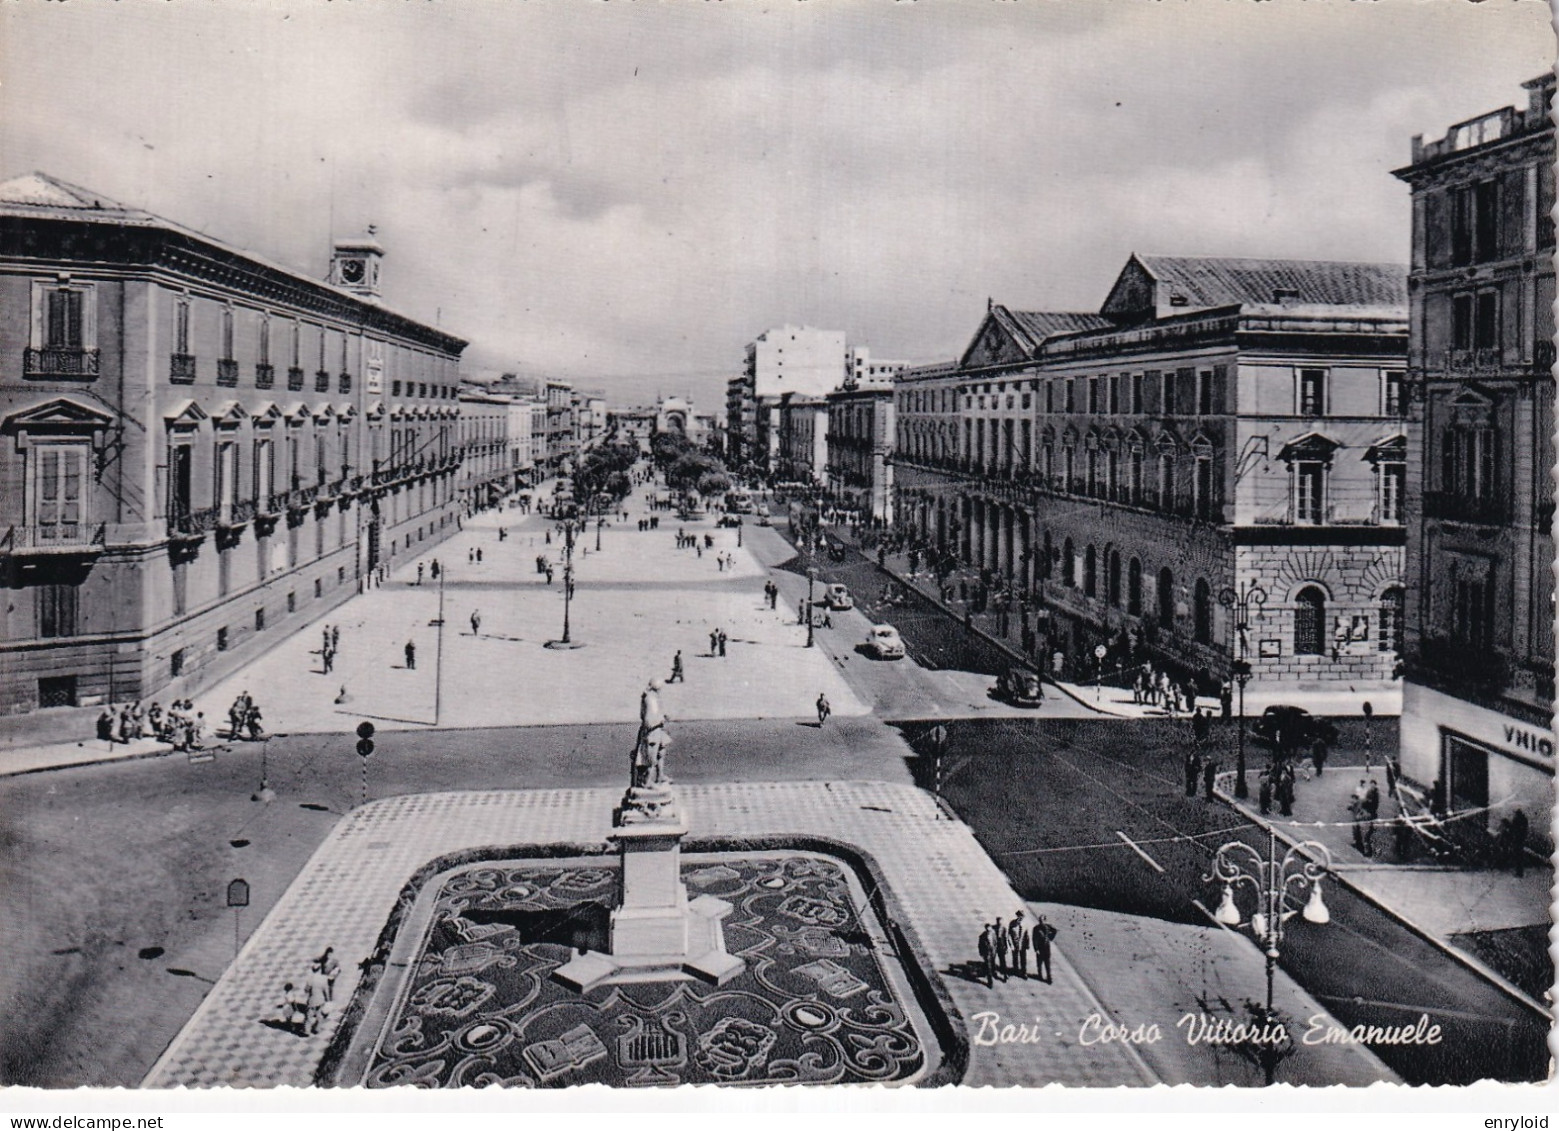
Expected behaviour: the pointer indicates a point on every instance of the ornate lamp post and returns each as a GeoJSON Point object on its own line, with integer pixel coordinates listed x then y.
{"type": "Point", "coordinates": [1241, 600]}
{"type": "Point", "coordinates": [1278, 886]}
{"type": "Point", "coordinates": [811, 617]}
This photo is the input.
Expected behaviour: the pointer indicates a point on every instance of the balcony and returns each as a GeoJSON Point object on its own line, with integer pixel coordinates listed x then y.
{"type": "Point", "coordinates": [227, 372]}
{"type": "Point", "coordinates": [344, 383]}
{"type": "Point", "coordinates": [1482, 360]}
{"type": "Point", "coordinates": [181, 368]}
{"type": "Point", "coordinates": [184, 523]}
{"type": "Point", "coordinates": [1449, 505]}
{"type": "Point", "coordinates": [55, 538]}
{"type": "Point", "coordinates": [238, 514]}
{"type": "Point", "coordinates": [264, 376]}
{"type": "Point", "coordinates": [59, 362]}
{"type": "Point", "coordinates": [294, 380]}
{"type": "Point", "coordinates": [322, 381]}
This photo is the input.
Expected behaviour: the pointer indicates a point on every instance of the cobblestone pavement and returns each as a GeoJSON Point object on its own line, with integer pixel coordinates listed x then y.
{"type": "Point", "coordinates": [944, 883]}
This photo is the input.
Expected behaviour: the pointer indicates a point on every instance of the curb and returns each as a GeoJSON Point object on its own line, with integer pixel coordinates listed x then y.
{"type": "Point", "coordinates": [1484, 971]}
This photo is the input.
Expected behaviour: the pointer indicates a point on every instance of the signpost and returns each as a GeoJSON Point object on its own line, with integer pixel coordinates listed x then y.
{"type": "Point", "coordinates": [238, 899]}
{"type": "Point", "coordinates": [1099, 652]}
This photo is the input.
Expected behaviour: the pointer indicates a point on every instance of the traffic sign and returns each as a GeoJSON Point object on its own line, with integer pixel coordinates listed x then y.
{"type": "Point", "coordinates": [365, 747]}
{"type": "Point", "coordinates": [1098, 651]}
{"type": "Point", "coordinates": [365, 729]}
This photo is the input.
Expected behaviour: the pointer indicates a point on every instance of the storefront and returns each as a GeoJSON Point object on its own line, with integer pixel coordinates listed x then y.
{"type": "Point", "coordinates": [1487, 759]}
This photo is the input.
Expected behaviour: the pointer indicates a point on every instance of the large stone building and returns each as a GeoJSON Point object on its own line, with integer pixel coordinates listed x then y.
{"type": "Point", "coordinates": [860, 447]}
{"type": "Point", "coordinates": [562, 418]}
{"type": "Point", "coordinates": [486, 471]}
{"type": "Point", "coordinates": [1479, 699]}
{"type": "Point", "coordinates": [199, 450]}
{"type": "Point", "coordinates": [801, 439]}
{"type": "Point", "coordinates": [1219, 425]}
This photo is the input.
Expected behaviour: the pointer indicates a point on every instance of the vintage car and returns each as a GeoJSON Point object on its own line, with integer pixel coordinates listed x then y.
{"type": "Point", "coordinates": [884, 643]}
{"type": "Point", "coordinates": [764, 518]}
{"type": "Point", "coordinates": [1021, 686]}
{"type": "Point", "coordinates": [838, 597]}
{"type": "Point", "coordinates": [1293, 727]}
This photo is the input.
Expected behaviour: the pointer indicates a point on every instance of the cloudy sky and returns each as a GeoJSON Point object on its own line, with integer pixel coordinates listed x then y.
{"type": "Point", "coordinates": [627, 193]}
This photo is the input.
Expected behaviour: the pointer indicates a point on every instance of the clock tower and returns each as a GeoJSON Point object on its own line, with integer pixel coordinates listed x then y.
{"type": "Point", "coordinates": [354, 265]}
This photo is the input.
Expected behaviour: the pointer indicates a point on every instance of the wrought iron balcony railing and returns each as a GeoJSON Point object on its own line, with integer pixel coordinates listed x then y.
{"type": "Point", "coordinates": [59, 537]}
{"type": "Point", "coordinates": [181, 368]}
{"type": "Point", "coordinates": [344, 384]}
{"type": "Point", "coordinates": [59, 361]}
{"type": "Point", "coordinates": [264, 376]}
{"type": "Point", "coordinates": [237, 513]}
{"type": "Point", "coordinates": [294, 380]}
{"type": "Point", "coordinates": [183, 522]}
{"type": "Point", "coordinates": [322, 381]}
{"type": "Point", "coordinates": [227, 371]}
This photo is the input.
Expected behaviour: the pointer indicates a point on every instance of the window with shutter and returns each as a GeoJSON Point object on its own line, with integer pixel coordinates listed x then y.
{"type": "Point", "coordinates": [58, 500]}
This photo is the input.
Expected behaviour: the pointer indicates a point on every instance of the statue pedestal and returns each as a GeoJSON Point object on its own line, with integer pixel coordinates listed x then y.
{"type": "Point", "coordinates": [657, 933]}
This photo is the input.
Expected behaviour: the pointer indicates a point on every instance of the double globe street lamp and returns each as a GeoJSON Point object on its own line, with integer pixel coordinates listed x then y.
{"type": "Point", "coordinates": [1279, 886]}
{"type": "Point", "coordinates": [1241, 600]}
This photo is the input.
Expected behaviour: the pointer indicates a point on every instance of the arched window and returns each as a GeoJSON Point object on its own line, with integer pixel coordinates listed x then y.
{"type": "Point", "coordinates": [1391, 620]}
{"type": "Point", "coordinates": [1310, 621]}
{"type": "Point", "coordinates": [1204, 612]}
{"type": "Point", "coordinates": [1134, 588]}
{"type": "Point", "coordinates": [1068, 565]}
{"type": "Point", "coordinates": [1090, 573]}
{"type": "Point", "coordinates": [1166, 598]}
{"type": "Point", "coordinates": [1112, 576]}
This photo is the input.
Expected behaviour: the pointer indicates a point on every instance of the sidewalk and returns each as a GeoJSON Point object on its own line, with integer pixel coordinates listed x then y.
{"type": "Point", "coordinates": [1446, 904]}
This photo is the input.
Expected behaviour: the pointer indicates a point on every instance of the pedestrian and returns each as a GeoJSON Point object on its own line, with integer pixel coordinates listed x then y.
{"type": "Point", "coordinates": [1042, 935]}
{"type": "Point", "coordinates": [1285, 789]}
{"type": "Point", "coordinates": [292, 1010]}
{"type": "Point", "coordinates": [676, 669]}
{"type": "Point", "coordinates": [1019, 936]}
{"type": "Point", "coordinates": [419, 573]}
{"type": "Point", "coordinates": [1193, 771]}
{"type": "Point", "coordinates": [828, 620]}
{"type": "Point", "coordinates": [434, 570]}
{"type": "Point", "coordinates": [138, 721]}
{"type": "Point", "coordinates": [1199, 727]}
{"type": "Point", "coordinates": [1516, 856]}
{"type": "Point", "coordinates": [987, 955]}
{"type": "Point", "coordinates": [331, 969]}
{"type": "Point", "coordinates": [329, 658]}
{"type": "Point", "coordinates": [721, 641]}
{"type": "Point", "coordinates": [1209, 778]}
{"type": "Point", "coordinates": [470, 555]}
{"type": "Point", "coordinates": [479, 555]}
{"type": "Point", "coordinates": [549, 573]}
{"type": "Point", "coordinates": [714, 641]}
{"type": "Point", "coordinates": [1226, 700]}
{"type": "Point", "coordinates": [1371, 810]}
{"type": "Point", "coordinates": [411, 656]}
{"type": "Point", "coordinates": [1264, 794]}
{"type": "Point", "coordinates": [124, 725]}
{"type": "Point", "coordinates": [105, 726]}
{"type": "Point", "coordinates": [335, 639]}
{"type": "Point", "coordinates": [316, 991]}
{"type": "Point", "coordinates": [823, 709]}
{"type": "Point", "coordinates": [252, 722]}
{"type": "Point", "coordinates": [476, 622]}
{"type": "Point", "coordinates": [1356, 812]}
{"type": "Point", "coordinates": [1003, 950]}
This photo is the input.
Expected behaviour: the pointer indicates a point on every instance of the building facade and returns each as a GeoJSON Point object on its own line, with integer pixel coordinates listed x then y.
{"type": "Point", "coordinates": [1478, 702]}
{"type": "Point", "coordinates": [561, 438]}
{"type": "Point", "coordinates": [860, 447]}
{"type": "Point", "coordinates": [199, 450]}
{"type": "Point", "coordinates": [1219, 426]}
{"type": "Point", "coordinates": [486, 471]}
{"type": "Point", "coordinates": [801, 438]}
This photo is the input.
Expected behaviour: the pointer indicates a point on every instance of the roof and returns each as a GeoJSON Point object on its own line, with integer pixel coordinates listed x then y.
{"type": "Point", "coordinates": [1208, 281]}
{"type": "Point", "coordinates": [39, 196]}
{"type": "Point", "coordinates": [1041, 324]}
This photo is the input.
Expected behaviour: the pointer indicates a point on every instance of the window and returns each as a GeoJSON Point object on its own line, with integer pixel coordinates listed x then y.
{"type": "Point", "coordinates": [64, 319]}
{"type": "Point", "coordinates": [1166, 480]}
{"type": "Point", "coordinates": [1461, 322]}
{"type": "Point", "coordinates": [1393, 478]}
{"type": "Point", "coordinates": [1068, 565]}
{"type": "Point", "coordinates": [1310, 621]}
{"type": "Point", "coordinates": [1167, 393]}
{"type": "Point", "coordinates": [1134, 587]}
{"type": "Point", "coordinates": [227, 332]}
{"type": "Point", "coordinates": [1136, 393]}
{"type": "Point", "coordinates": [1202, 486]}
{"type": "Point", "coordinates": [1312, 392]}
{"type": "Point", "coordinates": [181, 326]}
{"type": "Point", "coordinates": [263, 347]}
{"type": "Point", "coordinates": [1485, 326]}
{"type": "Point", "coordinates": [259, 620]}
{"type": "Point", "coordinates": [1485, 217]}
{"type": "Point", "coordinates": [1134, 472]}
{"type": "Point", "coordinates": [176, 662]}
{"type": "Point", "coordinates": [57, 492]}
{"type": "Point", "coordinates": [1112, 576]}
{"type": "Point", "coordinates": [1310, 492]}
{"type": "Point", "coordinates": [1071, 394]}
{"type": "Point", "coordinates": [1090, 573]}
{"type": "Point", "coordinates": [1391, 620]}
{"type": "Point", "coordinates": [1468, 462]}
{"type": "Point", "coordinates": [57, 691]}
{"type": "Point", "coordinates": [1393, 401]}
{"type": "Point", "coordinates": [1166, 598]}
{"type": "Point", "coordinates": [264, 470]}
{"type": "Point", "coordinates": [57, 610]}
{"type": "Point", "coordinates": [1203, 610]}
{"type": "Point", "coordinates": [1472, 609]}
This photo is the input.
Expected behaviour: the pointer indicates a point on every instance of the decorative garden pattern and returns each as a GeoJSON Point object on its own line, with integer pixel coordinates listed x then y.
{"type": "Point", "coordinates": [479, 1007]}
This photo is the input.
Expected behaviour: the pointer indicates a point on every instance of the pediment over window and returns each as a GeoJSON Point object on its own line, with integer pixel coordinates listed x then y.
{"type": "Point", "coordinates": [375, 410]}
{"type": "Point", "coordinates": [185, 414]}
{"type": "Point", "coordinates": [59, 415]}
{"type": "Point", "coordinates": [266, 412]}
{"type": "Point", "coordinates": [1166, 442]}
{"type": "Point", "coordinates": [297, 412]}
{"type": "Point", "coordinates": [324, 413]}
{"type": "Point", "coordinates": [346, 412]}
{"type": "Point", "coordinates": [1201, 445]}
{"type": "Point", "coordinates": [1310, 446]}
{"type": "Point", "coordinates": [1069, 437]}
{"type": "Point", "coordinates": [1472, 394]}
{"type": "Point", "coordinates": [1388, 449]}
{"type": "Point", "coordinates": [230, 414]}
{"type": "Point", "coordinates": [1134, 439]}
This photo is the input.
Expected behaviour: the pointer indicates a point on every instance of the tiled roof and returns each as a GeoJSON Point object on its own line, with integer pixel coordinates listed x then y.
{"type": "Point", "coordinates": [1208, 281]}
{"type": "Point", "coordinates": [1041, 324]}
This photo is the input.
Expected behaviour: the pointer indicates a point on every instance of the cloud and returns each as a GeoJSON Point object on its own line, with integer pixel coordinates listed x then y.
{"type": "Point", "coordinates": [624, 193]}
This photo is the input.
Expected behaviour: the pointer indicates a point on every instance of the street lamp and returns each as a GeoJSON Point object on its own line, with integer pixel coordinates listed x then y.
{"type": "Point", "coordinates": [1248, 594]}
{"type": "Point", "coordinates": [811, 578]}
{"type": "Point", "coordinates": [1278, 885]}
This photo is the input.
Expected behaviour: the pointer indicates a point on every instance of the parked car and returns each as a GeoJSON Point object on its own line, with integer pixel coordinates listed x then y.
{"type": "Point", "coordinates": [1294, 727]}
{"type": "Point", "coordinates": [1021, 686]}
{"type": "Point", "coordinates": [838, 597]}
{"type": "Point", "coordinates": [729, 520]}
{"type": "Point", "coordinates": [883, 642]}
{"type": "Point", "coordinates": [764, 519]}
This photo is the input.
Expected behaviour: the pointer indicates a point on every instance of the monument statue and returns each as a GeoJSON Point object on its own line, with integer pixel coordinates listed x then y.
{"type": "Point", "coordinates": [649, 752]}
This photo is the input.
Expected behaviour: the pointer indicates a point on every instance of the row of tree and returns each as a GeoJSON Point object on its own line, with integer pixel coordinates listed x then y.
{"type": "Point", "coordinates": [686, 467]}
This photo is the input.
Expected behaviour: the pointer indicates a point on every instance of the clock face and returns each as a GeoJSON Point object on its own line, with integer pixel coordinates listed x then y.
{"type": "Point", "coordinates": [351, 270]}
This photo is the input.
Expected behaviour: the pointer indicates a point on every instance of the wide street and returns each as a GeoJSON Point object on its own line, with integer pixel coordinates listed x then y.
{"type": "Point", "coordinates": [118, 870]}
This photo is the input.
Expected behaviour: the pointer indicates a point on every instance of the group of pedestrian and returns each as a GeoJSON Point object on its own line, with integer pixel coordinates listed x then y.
{"type": "Point", "coordinates": [771, 594]}
{"type": "Point", "coordinates": [181, 726]}
{"type": "Point", "coordinates": [126, 724]}
{"type": "Point", "coordinates": [305, 1006]}
{"type": "Point", "coordinates": [474, 555]}
{"type": "Point", "coordinates": [725, 561]}
{"type": "Point", "coordinates": [686, 541]}
{"type": "Point", "coordinates": [1364, 808]}
{"type": "Point", "coordinates": [244, 716]}
{"type": "Point", "coordinates": [1004, 949]}
{"type": "Point", "coordinates": [717, 642]}
{"type": "Point", "coordinates": [1200, 766]}
{"type": "Point", "coordinates": [1155, 687]}
{"type": "Point", "coordinates": [1277, 785]}
{"type": "Point", "coordinates": [331, 643]}
{"type": "Point", "coordinates": [651, 523]}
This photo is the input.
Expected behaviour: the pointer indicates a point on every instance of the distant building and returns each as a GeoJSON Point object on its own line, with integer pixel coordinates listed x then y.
{"type": "Point", "coordinates": [861, 369]}
{"type": "Point", "coordinates": [796, 360]}
{"type": "Point", "coordinates": [801, 439]}
{"type": "Point", "coordinates": [562, 441]}
{"type": "Point", "coordinates": [1479, 622]}
{"type": "Point", "coordinates": [199, 450]}
{"type": "Point", "coordinates": [860, 446]}
{"type": "Point", "coordinates": [486, 470]}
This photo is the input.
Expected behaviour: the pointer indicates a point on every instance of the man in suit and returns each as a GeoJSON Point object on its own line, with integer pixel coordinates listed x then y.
{"type": "Point", "coordinates": [1003, 948]}
{"type": "Point", "coordinates": [1019, 936]}
{"type": "Point", "coordinates": [988, 955]}
{"type": "Point", "coordinates": [1042, 934]}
